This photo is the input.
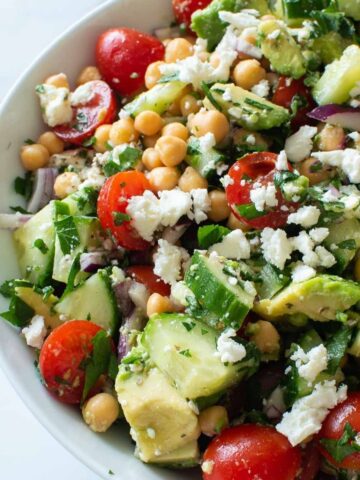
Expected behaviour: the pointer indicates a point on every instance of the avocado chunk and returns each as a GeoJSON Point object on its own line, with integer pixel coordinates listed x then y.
{"type": "Point", "coordinates": [346, 237]}
{"type": "Point", "coordinates": [320, 298]}
{"type": "Point", "coordinates": [184, 457]}
{"type": "Point", "coordinates": [161, 420]}
{"type": "Point", "coordinates": [41, 306]}
{"type": "Point", "coordinates": [279, 47]}
{"type": "Point", "coordinates": [339, 78]}
{"type": "Point", "coordinates": [330, 46]}
{"type": "Point", "coordinates": [186, 351]}
{"type": "Point", "coordinates": [247, 109]}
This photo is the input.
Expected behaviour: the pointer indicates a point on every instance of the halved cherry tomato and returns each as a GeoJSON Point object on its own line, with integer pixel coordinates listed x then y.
{"type": "Point", "coordinates": [334, 425]}
{"type": "Point", "coordinates": [123, 55]}
{"type": "Point", "coordinates": [249, 452]}
{"type": "Point", "coordinates": [100, 109]}
{"type": "Point", "coordinates": [256, 167]}
{"type": "Point", "coordinates": [284, 94]}
{"type": "Point", "coordinates": [145, 274]}
{"type": "Point", "coordinates": [62, 356]}
{"type": "Point", "coordinates": [183, 9]}
{"type": "Point", "coordinates": [113, 198]}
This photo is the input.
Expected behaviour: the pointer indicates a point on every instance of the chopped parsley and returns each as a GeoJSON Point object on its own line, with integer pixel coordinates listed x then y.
{"type": "Point", "coordinates": [67, 234]}
{"type": "Point", "coordinates": [41, 245]}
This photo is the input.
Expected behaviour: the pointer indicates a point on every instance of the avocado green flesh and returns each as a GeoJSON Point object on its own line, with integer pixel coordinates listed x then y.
{"type": "Point", "coordinates": [184, 457]}
{"type": "Point", "coordinates": [320, 298]}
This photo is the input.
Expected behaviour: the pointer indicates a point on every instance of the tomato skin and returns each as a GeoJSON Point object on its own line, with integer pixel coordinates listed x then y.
{"type": "Point", "coordinates": [184, 9]}
{"type": "Point", "coordinates": [60, 358]}
{"type": "Point", "coordinates": [99, 110]}
{"type": "Point", "coordinates": [145, 274]}
{"type": "Point", "coordinates": [247, 452]}
{"type": "Point", "coordinates": [114, 197]}
{"type": "Point", "coordinates": [123, 52]}
{"type": "Point", "coordinates": [333, 427]}
{"type": "Point", "coordinates": [284, 95]}
{"type": "Point", "coordinates": [259, 167]}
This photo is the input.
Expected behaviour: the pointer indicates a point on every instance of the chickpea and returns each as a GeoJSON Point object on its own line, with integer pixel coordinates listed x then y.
{"type": "Point", "coordinates": [174, 109]}
{"type": "Point", "coordinates": [100, 412]}
{"type": "Point", "coordinates": [34, 156]}
{"type": "Point", "coordinates": [211, 121]}
{"type": "Point", "coordinates": [158, 304]}
{"type": "Point", "coordinates": [102, 135]}
{"type": "Point", "coordinates": [150, 141]}
{"type": "Point", "coordinates": [189, 104]}
{"type": "Point", "coordinates": [357, 270]}
{"type": "Point", "coordinates": [331, 138]}
{"type": "Point", "coordinates": [164, 178]}
{"type": "Point", "coordinates": [88, 74]}
{"type": "Point", "coordinates": [315, 172]}
{"type": "Point", "coordinates": [191, 179]}
{"type": "Point", "coordinates": [266, 337]}
{"type": "Point", "coordinates": [219, 209]}
{"type": "Point", "coordinates": [248, 73]}
{"type": "Point", "coordinates": [66, 183]}
{"type": "Point", "coordinates": [123, 131]}
{"type": "Point", "coordinates": [234, 224]}
{"type": "Point", "coordinates": [176, 129]}
{"type": "Point", "coordinates": [213, 420]}
{"type": "Point", "coordinates": [58, 81]}
{"type": "Point", "coordinates": [178, 49]}
{"type": "Point", "coordinates": [51, 142]}
{"type": "Point", "coordinates": [148, 123]}
{"type": "Point", "coordinates": [153, 74]}
{"type": "Point", "coordinates": [151, 159]}
{"type": "Point", "coordinates": [172, 150]}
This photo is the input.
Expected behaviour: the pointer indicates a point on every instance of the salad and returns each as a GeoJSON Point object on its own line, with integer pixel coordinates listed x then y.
{"type": "Point", "coordinates": [189, 249]}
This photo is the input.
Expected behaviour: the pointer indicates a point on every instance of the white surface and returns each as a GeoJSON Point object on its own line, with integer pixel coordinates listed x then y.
{"type": "Point", "coordinates": [26, 448]}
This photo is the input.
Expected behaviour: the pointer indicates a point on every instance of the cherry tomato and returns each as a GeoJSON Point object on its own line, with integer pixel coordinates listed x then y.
{"type": "Point", "coordinates": [100, 109]}
{"type": "Point", "coordinates": [311, 462]}
{"type": "Point", "coordinates": [113, 198]}
{"type": "Point", "coordinates": [256, 167]}
{"type": "Point", "coordinates": [61, 357]}
{"type": "Point", "coordinates": [247, 452]}
{"type": "Point", "coordinates": [286, 91]}
{"type": "Point", "coordinates": [183, 9]}
{"type": "Point", "coordinates": [334, 425]}
{"type": "Point", "coordinates": [123, 55]}
{"type": "Point", "coordinates": [145, 274]}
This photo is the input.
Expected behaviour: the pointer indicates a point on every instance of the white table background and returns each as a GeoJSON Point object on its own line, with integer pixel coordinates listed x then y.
{"type": "Point", "coordinates": [27, 451]}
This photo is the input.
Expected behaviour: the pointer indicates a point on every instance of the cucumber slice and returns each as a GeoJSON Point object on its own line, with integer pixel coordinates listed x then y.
{"type": "Point", "coordinates": [245, 108]}
{"type": "Point", "coordinates": [229, 303]}
{"type": "Point", "coordinates": [42, 307]}
{"type": "Point", "coordinates": [185, 350]}
{"type": "Point", "coordinates": [272, 281]}
{"type": "Point", "coordinates": [82, 202]}
{"type": "Point", "coordinates": [36, 264]}
{"type": "Point", "coordinates": [339, 78]}
{"type": "Point", "coordinates": [94, 301]}
{"type": "Point", "coordinates": [346, 236]}
{"type": "Point", "coordinates": [158, 99]}
{"type": "Point", "coordinates": [88, 229]}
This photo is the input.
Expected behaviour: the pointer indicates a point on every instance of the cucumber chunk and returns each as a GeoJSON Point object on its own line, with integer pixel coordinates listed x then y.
{"type": "Point", "coordinates": [247, 109]}
{"type": "Point", "coordinates": [94, 301]}
{"type": "Point", "coordinates": [186, 350]}
{"type": "Point", "coordinates": [203, 160]}
{"type": "Point", "coordinates": [42, 307]}
{"type": "Point", "coordinates": [228, 303]}
{"type": "Point", "coordinates": [346, 237]}
{"type": "Point", "coordinates": [35, 263]}
{"type": "Point", "coordinates": [158, 99]}
{"type": "Point", "coordinates": [339, 78]}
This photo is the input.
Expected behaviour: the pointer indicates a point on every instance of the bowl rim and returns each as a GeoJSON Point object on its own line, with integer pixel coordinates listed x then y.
{"type": "Point", "coordinates": [21, 391]}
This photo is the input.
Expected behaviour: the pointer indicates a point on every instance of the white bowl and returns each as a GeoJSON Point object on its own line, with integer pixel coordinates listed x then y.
{"type": "Point", "coordinates": [20, 118]}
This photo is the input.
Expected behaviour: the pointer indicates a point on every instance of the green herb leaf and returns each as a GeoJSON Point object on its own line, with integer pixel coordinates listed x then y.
{"type": "Point", "coordinates": [185, 353]}
{"type": "Point", "coordinates": [336, 348]}
{"type": "Point", "coordinates": [89, 142]}
{"type": "Point", "coordinates": [7, 289]}
{"type": "Point", "coordinates": [345, 446]}
{"type": "Point", "coordinates": [208, 93]}
{"type": "Point", "coordinates": [249, 211]}
{"type": "Point", "coordinates": [24, 185]}
{"type": "Point", "coordinates": [41, 245]}
{"type": "Point", "coordinates": [189, 325]}
{"type": "Point", "coordinates": [169, 78]}
{"type": "Point", "coordinates": [67, 234]}
{"type": "Point", "coordinates": [120, 218]}
{"type": "Point", "coordinates": [19, 209]}
{"type": "Point", "coordinates": [210, 234]}
{"type": "Point", "coordinates": [127, 160]}
{"type": "Point", "coordinates": [19, 313]}
{"type": "Point", "coordinates": [348, 245]}
{"type": "Point", "coordinates": [74, 270]}
{"type": "Point", "coordinates": [28, 141]}
{"type": "Point", "coordinates": [40, 89]}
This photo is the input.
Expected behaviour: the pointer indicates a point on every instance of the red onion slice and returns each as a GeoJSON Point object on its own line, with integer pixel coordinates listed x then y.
{"type": "Point", "coordinates": [43, 189]}
{"type": "Point", "coordinates": [12, 221]}
{"type": "Point", "coordinates": [346, 117]}
{"type": "Point", "coordinates": [91, 262]}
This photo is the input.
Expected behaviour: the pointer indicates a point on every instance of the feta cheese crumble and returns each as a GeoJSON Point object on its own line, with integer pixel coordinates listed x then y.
{"type": "Point", "coordinates": [263, 196]}
{"type": "Point", "coordinates": [312, 363]}
{"type": "Point", "coordinates": [228, 349]}
{"type": "Point", "coordinates": [36, 332]}
{"type": "Point", "coordinates": [308, 413]}
{"type": "Point", "coordinates": [347, 160]}
{"type": "Point", "coordinates": [169, 261]}
{"type": "Point", "coordinates": [306, 216]}
{"type": "Point", "coordinates": [180, 293]}
{"type": "Point", "coordinates": [139, 295]}
{"type": "Point", "coordinates": [226, 181]}
{"type": "Point", "coordinates": [82, 95]}
{"type": "Point", "coordinates": [301, 273]}
{"type": "Point", "coordinates": [299, 145]}
{"type": "Point", "coordinates": [200, 205]}
{"type": "Point", "coordinates": [55, 105]}
{"type": "Point", "coordinates": [319, 234]}
{"type": "Point", "coordinates": [207, 142]}
{"type": "Point", "coordinates": [208, 466]}
{"type": "Point", "coordinates": [173, 205]}
{"type": "Point", "coordinates": [234, 246]}
{"type": "Point", "coordinates": [262, 89]}
{"type": "Point", "coordinates": [282, 161]}
{"type": "Point", "coordinates": [276, 246]}
{"type": "Point", "coordinates": [144, 213]}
